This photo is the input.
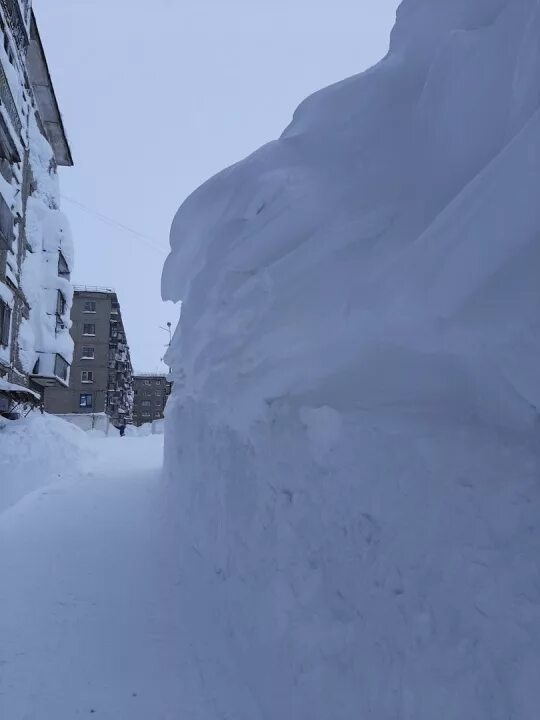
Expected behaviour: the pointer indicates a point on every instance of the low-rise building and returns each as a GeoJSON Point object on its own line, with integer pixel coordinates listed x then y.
{"type": "Point", "coordinates": [151, 392]}
{"type": "Point", "coordinates": [101, 375]}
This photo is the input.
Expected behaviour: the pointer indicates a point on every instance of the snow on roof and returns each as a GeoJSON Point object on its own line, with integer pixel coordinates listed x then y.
{"type": "Point", "coordinates": [43, 88]}
{"type": "Point", "coordinates": [149, 375]}
{"type": "Point", "coordinates": [94, 288]}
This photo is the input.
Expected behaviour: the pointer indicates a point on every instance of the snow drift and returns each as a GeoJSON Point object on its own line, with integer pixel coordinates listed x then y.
{"type": "Point", "coordinates": [37, 451]}
{"type": "Point", "coordinates": [353, 433]}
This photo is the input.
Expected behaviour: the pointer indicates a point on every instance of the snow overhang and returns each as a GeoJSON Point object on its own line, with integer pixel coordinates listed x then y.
{"type": "Point", "coordinates": [49, 111]}
{"type": "Point", "coordinates": [19, 392]}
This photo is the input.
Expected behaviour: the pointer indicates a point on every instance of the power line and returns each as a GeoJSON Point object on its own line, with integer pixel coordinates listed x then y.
{"type": "Point", "coordinates": [118, 225]}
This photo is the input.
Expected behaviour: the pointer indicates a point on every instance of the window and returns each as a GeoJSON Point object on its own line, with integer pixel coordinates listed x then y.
{"type": "Point", "coordinates": [61, 307]}
{"type": "Point", "coordinates": [158, 416]}
{"type": "Point", "coordinates": [146, 403]}
{"type": "Point", "coordinates": [6, 222]}
{"type": "Point", "coordinates": [89, 329]}
{"type": "Point", "coordinates": [8, 151]}
{"type": "Point", "coordinates": [87, 376]}
{"type": "Point", "coordinates": [6, 168]}
{"type": "Point", "coordinates": [85, 401]}
{"type": "Point", "coordinates": [89, 306]}
{"type": "Point", "coordinates": [61, 368]}
{"type": "Point", "coordinates": [147, 382]}
{"type": "Point", "coordinates": [5, 323]}
{"type": "Point", "coordinates": [146, 415]}
{"type": "Point", "coordinates": [88, 353]}
{"type": "Point", "coordinates": [63, 269]}
{"type": "Point", "coordinates": [60, 304]}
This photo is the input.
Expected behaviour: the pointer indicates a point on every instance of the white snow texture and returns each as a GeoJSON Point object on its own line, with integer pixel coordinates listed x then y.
{"type": "Point", "coordinates": [353, 435]}
{"type": "Point", "coordinates": [37, 451]}
{"type": "Point", "coordinates": [48, 234]}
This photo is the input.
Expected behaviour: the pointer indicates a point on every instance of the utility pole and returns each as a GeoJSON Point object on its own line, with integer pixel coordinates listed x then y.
{"type": "Point", "coordinates": [167, 329]}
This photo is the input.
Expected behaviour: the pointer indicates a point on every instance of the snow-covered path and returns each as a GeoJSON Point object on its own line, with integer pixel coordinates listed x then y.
{"type": "Point", "coordinates": [90, 620]}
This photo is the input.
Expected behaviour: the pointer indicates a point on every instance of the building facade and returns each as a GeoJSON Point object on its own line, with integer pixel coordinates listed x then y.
{"type": "Point", "coordinates": [36, 251]}
{"type": "Point", "coordinates": [151, 392]}
{"type": "Point", "coordinates": [101, 375]}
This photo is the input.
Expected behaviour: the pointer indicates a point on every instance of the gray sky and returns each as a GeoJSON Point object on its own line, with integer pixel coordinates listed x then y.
{"type": "Point", "coordinates": [159, 96]}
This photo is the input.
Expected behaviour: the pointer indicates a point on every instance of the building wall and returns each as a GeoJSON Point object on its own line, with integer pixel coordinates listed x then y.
{"type": "Point", "coordinates": [33, 231]}
{"type": "Point", "coordinates": [110, 387]}
{"type": "Point", "coordinates": [150, 398]}
{"type": "Point", "coordinates": [62, 401]}
{"type": "Point", "coordinates": [95, 421]}
{"type": "Point", "coordinates": [100, 344]}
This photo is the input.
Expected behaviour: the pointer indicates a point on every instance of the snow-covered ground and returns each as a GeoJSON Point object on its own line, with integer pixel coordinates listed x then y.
{"type": "Point", "coordinates": [89, 590]}
{"type": "Point", "coordinates": [37, 451]}
{"type": "Point", "coordinates": [353, 438]}
{"type": "Point", "coordinates": [96, 609]}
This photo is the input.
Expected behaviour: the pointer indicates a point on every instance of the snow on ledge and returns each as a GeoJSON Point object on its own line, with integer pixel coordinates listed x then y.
{"type": "Point", "coordinates": [94, 289]}
{"type": "Point", "coordinates": [11, 388]}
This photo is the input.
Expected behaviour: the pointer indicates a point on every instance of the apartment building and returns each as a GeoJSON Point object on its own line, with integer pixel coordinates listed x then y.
{"type": "Point", "coordinates": [101, 374]}
{"type": "Point", "coordinates": [151, 392]}
{"type": "Point", "coordinates": [36, 251]}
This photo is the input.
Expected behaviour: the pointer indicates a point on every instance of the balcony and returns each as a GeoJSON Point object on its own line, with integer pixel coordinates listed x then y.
{"type": "Point", "coordinates": [51, 369]}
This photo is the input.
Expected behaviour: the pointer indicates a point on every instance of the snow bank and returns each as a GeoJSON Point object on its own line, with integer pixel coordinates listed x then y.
{"type": "Point", "coordinates": [37, 451]}
{"type": "Point", "coordinates": [353, 432]}
{"type": "Point", "coordinates": [156, 427]}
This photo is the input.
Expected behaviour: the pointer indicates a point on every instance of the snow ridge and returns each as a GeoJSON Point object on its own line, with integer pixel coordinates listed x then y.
{"type": "Point", "coordinates": [353, 435]}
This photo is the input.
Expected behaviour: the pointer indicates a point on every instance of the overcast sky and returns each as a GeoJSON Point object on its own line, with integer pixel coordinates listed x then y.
{"type": "Point", "coordinates": [157, 97]}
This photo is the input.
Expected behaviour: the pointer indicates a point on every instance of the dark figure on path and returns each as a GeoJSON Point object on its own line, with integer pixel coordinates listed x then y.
{"type": "Point", "coordinates": [122, 428]}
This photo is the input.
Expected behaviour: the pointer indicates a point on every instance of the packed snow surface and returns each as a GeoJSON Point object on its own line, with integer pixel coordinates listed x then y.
{"type": "Point", "coordinates": [353, 437]}
{"type": "Point", "coordinates": [90, 584]}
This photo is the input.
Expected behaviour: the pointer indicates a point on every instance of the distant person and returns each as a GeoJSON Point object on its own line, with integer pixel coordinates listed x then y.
{"type": "Point", "coordinates": [122, 428]}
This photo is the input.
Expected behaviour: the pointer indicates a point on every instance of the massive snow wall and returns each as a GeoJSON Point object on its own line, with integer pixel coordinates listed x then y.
{"type": "Point", "coordinates": [353, 440]}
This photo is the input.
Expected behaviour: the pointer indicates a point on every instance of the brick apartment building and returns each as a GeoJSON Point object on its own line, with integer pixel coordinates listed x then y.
{"type": "Point", "coordinates": [101, 374]}
{"type": "Point", "coordinates": [151, 392]}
